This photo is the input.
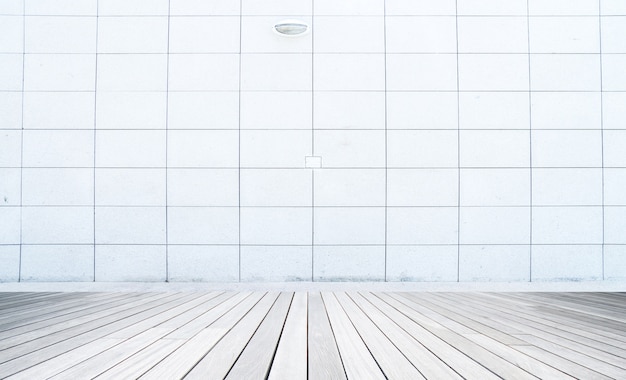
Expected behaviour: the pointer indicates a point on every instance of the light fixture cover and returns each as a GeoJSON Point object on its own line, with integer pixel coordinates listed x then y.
{"type": "Point", "coordinates": [291, 28]}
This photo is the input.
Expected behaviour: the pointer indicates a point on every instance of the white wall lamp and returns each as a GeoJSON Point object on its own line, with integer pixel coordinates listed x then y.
{"type": "Point", "coordinates": [291, 28]}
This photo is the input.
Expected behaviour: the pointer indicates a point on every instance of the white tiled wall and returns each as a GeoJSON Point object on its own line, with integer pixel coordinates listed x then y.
{"type": "Point", "coordinates": [179, 140]}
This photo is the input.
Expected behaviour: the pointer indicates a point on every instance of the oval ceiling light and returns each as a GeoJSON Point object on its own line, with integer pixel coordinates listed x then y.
{"type": "Point", "coordinates": [291, 28]}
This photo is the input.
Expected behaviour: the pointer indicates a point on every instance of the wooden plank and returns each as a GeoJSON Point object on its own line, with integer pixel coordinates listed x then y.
{"type": "Point", "coordinates": [89, 333]}
{"type": "Point", "coordinates": [181, 361]}
{"type": "Point", "coordinates": [290, 361]}
{"type": "Point", "coordinates": [391, 361]}
{"type": "Point", "coordinates": [528, 363]}
{"type": "Point", "coordinates": [324, 361]}
{"type": "Point", "coordinates": [407, 318]}
{"type": "Point", "coordinates": [137, 364]}
{"type": "Point", "coordinates": [424, 360]}
{"type": "Point", "coordinates": [256, 359]}
{"type": "Point", "coordinates": [577, 357]}
{"type": "Point", "coordinates": [358, 361]}
{"type": "Point", "coordinates": [132, 338]}
{"type": "Point", "coordinates": [217, 363]}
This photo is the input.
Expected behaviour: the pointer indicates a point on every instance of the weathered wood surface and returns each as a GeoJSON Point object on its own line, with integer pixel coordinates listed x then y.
{"type": "Point", "coordinates": [333, 335]}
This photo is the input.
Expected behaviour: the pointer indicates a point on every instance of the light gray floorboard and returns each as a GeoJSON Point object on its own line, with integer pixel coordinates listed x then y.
{"type": "Point", "coordinates": [324, 359]}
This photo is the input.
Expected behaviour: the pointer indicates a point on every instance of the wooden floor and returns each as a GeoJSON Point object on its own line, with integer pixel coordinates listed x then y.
{"type": "Point", "coordinates": [334, 335]}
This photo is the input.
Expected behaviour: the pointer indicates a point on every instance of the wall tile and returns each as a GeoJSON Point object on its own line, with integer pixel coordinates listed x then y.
{"type": "Point", "coordinates": [349, 7]}
{"type": "Point", "coordinates": [11, 34]}
{"type": "Point", "coordinates": [10, 187]}
{"type": "Point", "coordinates": [11, 73]}
{"type": "Point", "coordinates": [492, 7]}
{"type": "Point", "coordinates": [194, 34]}
{"type": "Point", "coordinates": [422, 149]}
{"type": "Point", "coordinates": [57, 225]}
{"type": "Point", "coordinates": [130, 148]}
{"type": "Point", "coordinates": [495, 187]}
{"type": "Point", "coordinates": [134, 72]}
{"type": "Point", "coordinates": [613, 7]}
{"type": "Point", "coordinates": [341, 72]}
{"type": "Point", "coordinates": [353, 225]}
{"type": "Point", "coordinates": [131, 110]}
{"type": "Point", "coordinates": [61, 34]}
{"type": "Point", "coordinates": [276, 187]}
{"type": "Point", "coordinates": [57, 263]}
{"type": "Point", "coordinates": [424, 7]}
{"type": "Point", "coordinates": [276, 7]}
{"type": "Point", "coordinates": [495, 225]}
{"type": "Point", "coordinates": [422, 225]}
{"type": "Point", "coordinates": [350, 148]}
{"type": "Point", "coordinates": [59, 72]}
{"type": "Point", "coordinates": [130, 263]}
{"type": "Point", "coordinates": [419, 34]}
{"type": "Point", "coordinates": [62, 7]}
{"type": "Point", "coordinates": [494, 263]}
{"type": "Point", "coordinates": [422, 187]}
{"type": "Point", "coordinates": [10, 258]}
{"type": "Point", "coordinates": [492, 34]}
{"type": "Point", "coordinates": [276, 225]}
{"type": "Point", "coordinates": [132, 35]}
{"type": "Point", "coordinates": [566, 110]}
{"type": "Point", "coordinates": [61, 148]}
{"type": "Point", "coordinates": [130, 225]}
{"type": "Point", "coordinates": [422, 110]}
{"type": "Point", "coordinates": [613, 76]}
{"type": "Point", "coordinates": [563, 7]}
{"type": "Point", "coordinates": [493, 72]}
{"type": "Point", "coordinates": [567, 225]}
{"type": "Point", "coordinates": [613, 111]}
{"type": "Point", "coordinates": [10, 225]}
{"type": "Point", "coordinates": [422, 263]}
{"type": "Point", "coordinates": [192, 149]}
{"type": "Point", "coordinates": [15, 7]}
{"type": "Point", "coordinates": [275, 110]}
{"type": "Point", "coordinates": [567, 263]}
{"type": "Point", "coordinates": [566, 149]}
{"type": "Point", "coordinates": [133, 7]}
{"type": "Point", "coordinates": [210, 263]}
{"type": "Point", "coordinates": [346, 34]}
{"type": "Point", "coordinates": [347, 263]}
{"type": "Point", "coordinates": [10, 148]}
{"type": "Point", "coordinates": [494, 110]}
{"type": "Point", "coordinates": [203, 187]}
{"type": "Point", "coordinates": [57, 187]}
{"type": "Point", "coordinates": [614, 225]}
{"type": "Point", "coordinates": [614, 148]}
{"type": "Point", "coordinates": [203, 225]}
{"type": "Point", "coordinates": [275, 72]}
{"type": "Point", "coordinates": [273, 263]}
{"type": "Point", "coordinates": [274, 149]}
{"type": "Point", "coordinates": [204, 8]}
{"type": "Point", "coordinates": [10, 110]}
{"type": "Point", "coordinates": [350, 187]}
{"type": "Point", "coordinates": [59, 110]}
{"type": "Point", "coordinates": [258, 35]}
{"type": "Point", "coordinates": [569, 187]}
{"type": "Point", "coordinates": [564, 35]}
{"type": "Point", "coordinates": [495, 148]}
{"type": "Point", "coordinates": [565, 72]}
{"type": "Point", "coordinates": [614, 185]}
{"type": "Point", "coordinates": [203, 110]}
{"type": "Point", "coordinates": [130, 187]}
{"type": "Point", "coordinates": [203, 72]}
{"type": "Point", "coordinates": [430, 72]}
{"type": "Point", "coordinates": [615, 262]}
{"type": "Point", "coordinates": [349, 110]}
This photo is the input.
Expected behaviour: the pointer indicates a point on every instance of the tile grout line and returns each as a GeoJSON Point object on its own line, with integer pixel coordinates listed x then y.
{"type": "Point", "coordinates": [239, 147]}
{"type": "Point", "coordinates": [95, 129]}
{"type": "Point", "coordinates": [458, 147]}
{"type": "Point", "coordinates": [19, 269]}
{"type": "Point", "coordinates": [602, 136]}
{"type": "Point", "coordinates": [167, 110]}
{"type": "Point", "coordinates": [530, 148]}
{"type": "Point", "coordinates": [386, 138]}
{"type": "Point", "coordinates": [312, 141]}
